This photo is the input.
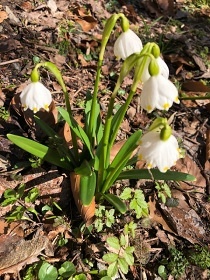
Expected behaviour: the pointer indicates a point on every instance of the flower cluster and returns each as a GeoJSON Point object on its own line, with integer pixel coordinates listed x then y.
{"type": "Point", "coordinates": [158, 92]}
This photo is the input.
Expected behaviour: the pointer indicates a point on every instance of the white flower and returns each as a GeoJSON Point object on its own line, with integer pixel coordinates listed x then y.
{"type": "Point", "coordinates": [126, 44]}
{"type": "Point", "coordinates": [35, 96]}
{"type": "Point", "coordinates": [157, 152]}
{"type": "Point", "coordinates": [164, 71]}
{"type": "Point", "coordinates": [158, 92]}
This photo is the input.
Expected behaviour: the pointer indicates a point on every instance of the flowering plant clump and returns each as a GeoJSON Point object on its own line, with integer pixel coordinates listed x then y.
{"type": "Point", "coordinates": [92, 172]}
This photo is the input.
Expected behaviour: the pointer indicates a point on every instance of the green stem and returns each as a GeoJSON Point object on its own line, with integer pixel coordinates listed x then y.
{"type": "Point", "coordinates": [104, 157]}
{"type": "Point", "coordinates": [105, 37]}
{"type": "Point", "coordinates": [92, 122]}
{"type": "Point", "coordinates": [54, 70]}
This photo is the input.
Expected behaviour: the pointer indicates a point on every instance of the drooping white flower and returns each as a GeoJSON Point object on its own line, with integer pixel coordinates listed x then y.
{"type": "Point", "coordinates": [35, 96]}
{"type": "Point", "coordinates": [126, 44]}
{"type": "Point", "coordinates": [158, 92]}
{"type": "Point", "coordinates": [164, 71]}
{"type": "Point", "coordinates": [157, 152]}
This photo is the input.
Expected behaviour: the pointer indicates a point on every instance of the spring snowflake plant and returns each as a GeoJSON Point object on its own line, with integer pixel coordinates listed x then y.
{"type": "Point", "coordinates": [158, 147]}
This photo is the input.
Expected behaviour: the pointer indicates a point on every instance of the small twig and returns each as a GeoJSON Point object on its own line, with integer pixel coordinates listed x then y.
{"type": "Point", "coordinates": [10, 61]}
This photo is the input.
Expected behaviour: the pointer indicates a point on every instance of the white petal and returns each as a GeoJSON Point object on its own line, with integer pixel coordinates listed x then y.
{"type": "Point", "coordinates": [164, 71]}
{"type": "Point", "coordinates": [158, 92]}
{"type": "Point", "coordinates": [126, 44]}
{"type": "Point", "coordinates": [35, 96]}
{"type": "Point", "coordinates": [157, 152]}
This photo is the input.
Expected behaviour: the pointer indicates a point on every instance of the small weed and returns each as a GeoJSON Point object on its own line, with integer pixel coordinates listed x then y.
{"type": "Point", "coordinates": [163, 191]}
{"type": "Point", "coordinates": [136, 201]}
{"type": "Point", "coordinates": [199, 256]}
{"type": "Point", "coordinates": [4, 114]}
{"type": "Point", "coordinates": [175, 265]}
{"type": "Point", "coordinates": [104, 218]}
{"type": "Point", "coordinates": [22, 201]}
{"type": "Point", "coordinates": [35, 162]}
{"type": "Point", "coordinates": [63, 47]}
{"type": "Point", "coordinates": [120, 255]}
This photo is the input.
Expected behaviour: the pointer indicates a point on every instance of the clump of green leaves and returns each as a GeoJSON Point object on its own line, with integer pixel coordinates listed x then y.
{"type": "Point", "coordinates": [120, 255]}
{"type": "Point", "coordinates": [163, 191]}
{"type": "Point", "coordinates": [4, 114]}
{"type": "Point", "coordinates": [136, 201]}
{"type": "Point", "coordinates": [177, 264]}
{"type": "Point", "coordinates": [22, 201]}
{"type": "Point", "coordinates": [200, 256]}
{"type": "Point", "coordinates": [46, 271]}
{"type": "Point", "coordinates": [104, 217]}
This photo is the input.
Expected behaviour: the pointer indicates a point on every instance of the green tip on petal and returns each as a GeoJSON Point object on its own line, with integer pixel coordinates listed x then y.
{"type": "Point", "coordinates": [124, 23]}
{"type": "Point", "coordinates": [35, 75]}
{"type": "Point", "coordinates": [154, 68]}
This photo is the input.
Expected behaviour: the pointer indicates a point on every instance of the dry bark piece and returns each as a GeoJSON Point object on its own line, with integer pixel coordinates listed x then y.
{"type": "Point", "coordinates": [16, 252]}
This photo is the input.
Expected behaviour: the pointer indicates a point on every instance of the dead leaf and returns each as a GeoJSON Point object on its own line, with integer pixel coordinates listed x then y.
{"type": "Point", "coordinates": [16, 252]}
{"type": "Point", "coordinates": [187, 165]}
{"type": "Point", "coordinates": [11, 16]}
{"type": "Point", "coordinates": [87, 23]}
{"type": "Point", "coordinates": [87, 212]}
{"type": "Point", "coordinates": [52, 5]}
{"type": "Point", "coordinates": [195, 86]}
{"type": "Point", "coordinates": [3, 16]}
{"type": "Point", "coordinates": [82, 60]}
{"type": "Point", "coordinates": [185, 222]}
{"type": "Point", "coordinates": [156, 216]}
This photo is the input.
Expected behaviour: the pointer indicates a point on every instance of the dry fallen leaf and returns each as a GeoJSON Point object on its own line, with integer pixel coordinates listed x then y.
{"type": "Point", "coordinates": [16, 252]}
{"type": "Point", "coordinates": [187, 165]}
{"type": "Point", "coordinates": [52, 5]}
{"type": "Point", "coordinates": [184, 220]}
{"type": "Point", "coordinates": [87, 212]}
{"type": "Point", "coordinates": [3, 16]}
{"type": "Point", "coordinates": [195, 86]}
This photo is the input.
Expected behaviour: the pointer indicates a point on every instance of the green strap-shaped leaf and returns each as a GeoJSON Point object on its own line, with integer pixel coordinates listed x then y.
{"type": "Point", "coordinates": [99, 127]}
{"type": "Point", "coordinates": [85, 169]}
{"type": "Point", "coordinates": [87, 188]}
{"type": "Point", "coordinates": [120, 160]}
{"type": "Point", "coordinates": [156, 175]}
{"type": "Point", "coordinates": [40, 150]}
{"type": "Point", "coordinates": [116, 202]}
{"type": "Point", "coordinates": [61, 147]}
{"type": "Point", "coordinates": [76, 128]}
